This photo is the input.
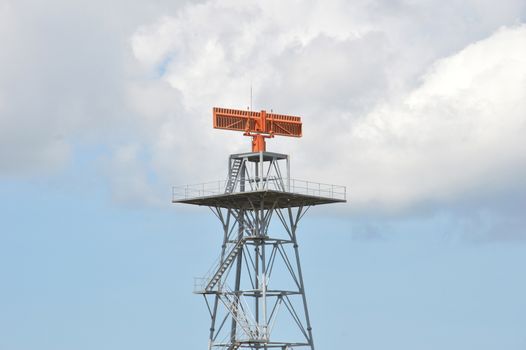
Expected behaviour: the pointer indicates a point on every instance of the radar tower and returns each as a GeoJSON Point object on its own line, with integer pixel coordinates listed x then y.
{"type": "Point", "coordinates": [255, 293]}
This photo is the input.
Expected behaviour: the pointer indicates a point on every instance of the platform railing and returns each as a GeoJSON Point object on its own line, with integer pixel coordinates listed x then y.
{"type": "Point", "coordinates": [215, 188]}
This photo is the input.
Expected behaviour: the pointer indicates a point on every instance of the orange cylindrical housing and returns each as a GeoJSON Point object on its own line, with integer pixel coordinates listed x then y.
{"type": "Point", "coordinates": [258, 143]}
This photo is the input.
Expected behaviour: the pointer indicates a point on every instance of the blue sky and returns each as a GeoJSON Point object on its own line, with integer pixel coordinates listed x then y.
{"type": "Point", "coordinates": [418, 108]}
{"type": "Point", "coordinates": [80, 272]}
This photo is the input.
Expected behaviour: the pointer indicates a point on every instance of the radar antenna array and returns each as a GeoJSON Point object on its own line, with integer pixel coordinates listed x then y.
{"type": "Point", "coordinates": [258, 125]}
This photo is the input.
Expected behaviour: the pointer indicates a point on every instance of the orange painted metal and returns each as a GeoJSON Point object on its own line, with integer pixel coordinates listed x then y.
{"type": "Point", "coordinates": [258, 125]}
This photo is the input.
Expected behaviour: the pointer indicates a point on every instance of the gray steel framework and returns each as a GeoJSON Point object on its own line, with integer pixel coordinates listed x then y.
{"type": "Point", "coordinates": [255, 293]}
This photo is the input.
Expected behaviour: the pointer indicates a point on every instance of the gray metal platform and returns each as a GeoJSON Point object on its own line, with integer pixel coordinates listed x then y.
{"type": "Point", "coordinates": [267, 198]}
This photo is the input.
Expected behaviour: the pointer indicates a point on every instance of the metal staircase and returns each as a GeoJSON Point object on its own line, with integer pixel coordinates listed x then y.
{"type": "Point", "coordinates": [233, 175]}
{"type": "Point", "coordinates": [249, 327]}
{"type": "Point", "coordinates": [221, 269]}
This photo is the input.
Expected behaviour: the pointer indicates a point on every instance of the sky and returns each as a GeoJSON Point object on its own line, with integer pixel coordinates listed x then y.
{"type": "Point", "coordinates": [418, 107]}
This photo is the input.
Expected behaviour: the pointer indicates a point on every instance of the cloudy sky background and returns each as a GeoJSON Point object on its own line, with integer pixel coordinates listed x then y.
{"type": "Point", "coordinates": [419, 107]}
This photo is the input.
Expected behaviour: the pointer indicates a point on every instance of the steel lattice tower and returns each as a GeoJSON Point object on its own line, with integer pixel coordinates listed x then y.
{"type": "Point", "coordinates": [255, 292]}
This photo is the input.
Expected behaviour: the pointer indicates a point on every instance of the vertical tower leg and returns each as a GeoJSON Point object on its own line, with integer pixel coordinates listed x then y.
{"type": "Point", "coordinates": [239, 265]}
{"type": "Point", "coordinates": [213, 315]}
{"type": "Point", "coordinates": [294, 225]}
{"type": "Point", "coordinates": [225, 222]}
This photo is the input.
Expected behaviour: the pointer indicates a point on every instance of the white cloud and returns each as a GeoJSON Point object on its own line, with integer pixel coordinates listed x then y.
{"type": "Point", "coordinates": [377, 119]}
{"type": "Point", "coordinates": [460, 132]}
{"type": "Point", "coordinates": [63, 79]}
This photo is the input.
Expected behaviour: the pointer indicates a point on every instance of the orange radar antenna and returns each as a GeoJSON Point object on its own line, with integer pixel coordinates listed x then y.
{"type": "Point", "coordinates": [258, 125]}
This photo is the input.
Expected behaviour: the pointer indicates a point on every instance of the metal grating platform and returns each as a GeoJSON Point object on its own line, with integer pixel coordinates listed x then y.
{"type": "Point", "coordinates": [272, 192]}
{"type": "Point", "coordinates": [267, 199]}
